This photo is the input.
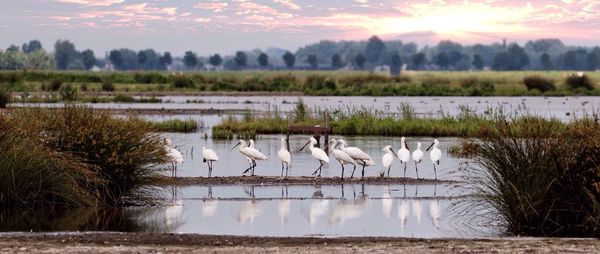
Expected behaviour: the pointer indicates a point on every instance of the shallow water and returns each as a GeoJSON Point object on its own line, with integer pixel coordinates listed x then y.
{"type": "Point", "coordinates": [424, 211]}
{"type": "Point", "coordinates": [557, 107]}
{"type": "Point", "coordinates": [232, 163]}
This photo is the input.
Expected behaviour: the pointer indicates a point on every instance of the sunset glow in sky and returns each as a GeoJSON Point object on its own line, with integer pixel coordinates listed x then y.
{"type": "Point", "coordinates": [211, 26]}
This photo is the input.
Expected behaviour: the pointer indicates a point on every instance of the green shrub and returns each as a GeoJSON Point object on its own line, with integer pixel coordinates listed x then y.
{"type": "Point", "coordinates": [575, 81]}
{"type": "Point", "coordinates": [123, 153]}
{"type": "Point", "coordinates": [175, 125]}
{"type": "Point", "coordinates": [68, 93]}
{"type": "Point", "coordinates": [53, 86]}
{"type": "Point", "coordinates": [182, 81]}
{"type": "Point", "coordinates": [107, 85]}
{"type": "Point", "coordinates": [540, 177]}
{"type": "Point", "coordinates": [5, 97]}
{"type": "Point", "coordinates": [540, 83]}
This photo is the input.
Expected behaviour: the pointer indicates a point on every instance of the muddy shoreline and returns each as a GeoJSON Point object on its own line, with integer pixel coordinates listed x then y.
{"type": "Point", "coordinates": [187, 243]}
{"type": "Point", "coordinates": [293, 180]}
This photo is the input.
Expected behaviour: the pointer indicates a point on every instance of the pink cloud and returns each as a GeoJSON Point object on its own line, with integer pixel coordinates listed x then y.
{"type": "Point", "coordinates": [93, 2]}
{"type": "Point", "coordinates": [288, 4]}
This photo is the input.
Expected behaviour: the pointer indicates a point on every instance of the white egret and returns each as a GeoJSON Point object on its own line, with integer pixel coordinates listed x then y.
{"type": "Point", "coordinates": [251, 153]}
{"type": "Point", "coordinates": [435, 155]}
{"type": "Point", "coordinates": [174, 156]}
{"type": "Point", "coordinates": [388, 158]}
{"type": "Point", "coordinates": [403, 154]}
{"type": "Point", "coordinates": [417, 157]}
{"type": "Point", "coordinates": [209, 156]}
{"type": "Point", "coordinates": [285, 157]}
{"type": "Point", "coordinates": [340, 156]}
{"type": "Point", "coordinates": [251, 145]}
{"type": "Point", "coordinates": [317, 153]}
{"type": "Point", "coordinates": [360, 157]}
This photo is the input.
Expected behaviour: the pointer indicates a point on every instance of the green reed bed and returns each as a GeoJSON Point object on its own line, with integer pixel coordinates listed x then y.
{"type": "Point", "coordinates": [76, 156]}
{"type": "Point", "coordinates": [343, 83]}
{"type": "Point", "coordinates": [540, 177]}
{"type": "Point", "coordinates": [175, 125]}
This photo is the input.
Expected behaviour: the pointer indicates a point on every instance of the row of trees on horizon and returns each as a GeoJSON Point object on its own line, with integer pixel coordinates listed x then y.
{"type": "Point", "coordinates": [541, 54]}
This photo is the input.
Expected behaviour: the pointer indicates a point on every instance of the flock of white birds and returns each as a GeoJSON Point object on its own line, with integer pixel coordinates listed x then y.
{"type": "Point", "coordinates": [344, 155]}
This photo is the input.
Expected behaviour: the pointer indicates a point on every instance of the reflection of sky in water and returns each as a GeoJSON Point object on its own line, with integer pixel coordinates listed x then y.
{"type": "Point", "coordinates": [369, 210]}
{"type": "Point", "coordinates": [546, 106]}
{"type": "Point", "coordinates": [232, 163]}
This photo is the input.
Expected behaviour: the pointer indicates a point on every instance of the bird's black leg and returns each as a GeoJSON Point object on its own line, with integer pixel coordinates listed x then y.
{"type": "Point", "coordinates": [405, 170]}
{"type": "Point", "coordinates": [282, 169]}
{"type": "Point", "coordinates": [352, 176]}
{"type": "Point", "coordinates": [417, 170]}
{"type": "Point", "coordinates": [342, 172]}
{"type": "Point", "coordinates": [320, 168]}
{"type": "Point", "coordinates": [253, 166]}
{"type": "Point", "coordinates": [435, 171]}
{"type": "Point", "coordinates": [390, 167]}
{"type": "Point", "coordinates": [363, 169]}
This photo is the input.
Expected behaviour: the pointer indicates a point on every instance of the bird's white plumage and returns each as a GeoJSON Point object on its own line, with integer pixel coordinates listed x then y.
{"type": "Point", "coordinates": [417, 155]}
{"type": "Point", "coordinates": [403, 152]}
{"type": "Point", "coordinates": [339, 155]}
{"type": "Point", "coordinates": [388, 157]}
{"type": "Point", "coordinates": [354, 152]}
{"type": "Point", "coordinates": [209, 154]}
{"type": "Point", "coordinates": [283, 154]}
{"type": "Point", "coordinates": [175, 155]}
{"type": "Point", "coordinates": [250, 152]}
{"type": "Point", "coordinates": [436, 154]}
{"type": "Point", "coordinates": [316, 152]}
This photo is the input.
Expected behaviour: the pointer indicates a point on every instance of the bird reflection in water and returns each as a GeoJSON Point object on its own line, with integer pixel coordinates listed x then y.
{"type": "Point", "coordinates": [350, 209]}
{"type": "Point", "coordinates": [284, 205]}
{"type": "Point", "coordinates": [387, 202]}
{"type": "Point", "coordinates": [250, 210]}
{"type": "Point", "coordinates": [318, 207]}
{"type": "Point", "coordinates": [209, 205]}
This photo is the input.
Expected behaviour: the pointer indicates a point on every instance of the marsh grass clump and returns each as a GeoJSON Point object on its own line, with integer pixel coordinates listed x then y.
{"type": "Point", "coordinates": [540, 83]}
{"type": "Point", "coordinates": [181, 81]}
{"type": "Point", "coordinates": [105, 160]}
{"type": "Point", "coordinates": [579, 81]}
{"type": "Point", "coordinates": [107, 85]}
{"type": "Point", "coordinates": [541, 177]}
{"type": "Point", "coordinates": [175, 125]}
{"type": "Point", "coordinates": [5, 96]}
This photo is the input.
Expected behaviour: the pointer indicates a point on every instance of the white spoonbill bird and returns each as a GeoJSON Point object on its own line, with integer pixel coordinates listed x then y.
{"type": "Point", "coordinates": [403, 154]}
{"type": "Point", "coordinates": [209, 156]}
{"type": "Point", "coordinates": [174, 156]}
{"type": "Point", "coordinates": [251, 153]}
{"type": "Point", "coordinates": [360, 157]}
{"type": "Point", "coordinates": [417, 157]}
{"type": "Point", "coordinates": [340, 156]}
{"type": "Point", "coordinates": [435, 155]}
{"type": "Point", "coordinates": [317, 153]}
{"type": "Point", "coordinates": [285, 157]}
{"type": "Point", "coordinates": [388, 158]}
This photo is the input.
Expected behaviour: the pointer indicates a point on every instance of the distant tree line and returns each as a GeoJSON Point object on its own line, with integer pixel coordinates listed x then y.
{"type": "Point", "coordinates": [542, 54]}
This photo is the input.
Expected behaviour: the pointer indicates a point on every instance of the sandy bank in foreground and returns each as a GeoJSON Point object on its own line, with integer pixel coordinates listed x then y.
{"type": "Point", "coordinates": [191, 243]}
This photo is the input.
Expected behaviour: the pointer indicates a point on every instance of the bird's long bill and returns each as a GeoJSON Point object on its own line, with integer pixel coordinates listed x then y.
{"type": "Point", "coordinates": [394, 153]}
{"type": "Point", "coordinates": [429, 147]}
{"type": "Point", "coordinates": [325, 147]}
{"type": "Point", "coordinates": [305, 145]}
{"type": "Point", "coordinates": [406, 145]}
{"type": "Point", "coordinates": [234, 147]}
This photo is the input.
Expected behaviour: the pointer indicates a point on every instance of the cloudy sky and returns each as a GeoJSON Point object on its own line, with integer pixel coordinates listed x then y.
{"type": "Point", "coordinates": [212, 26]}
